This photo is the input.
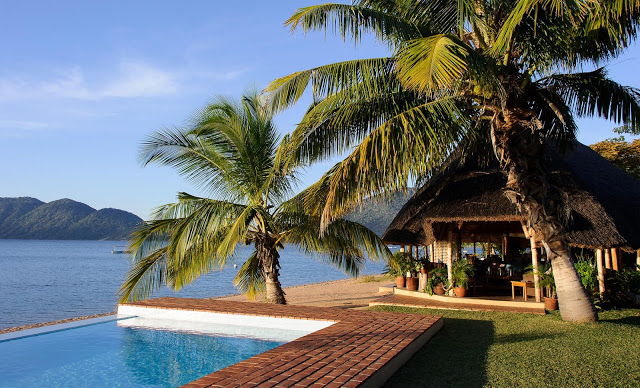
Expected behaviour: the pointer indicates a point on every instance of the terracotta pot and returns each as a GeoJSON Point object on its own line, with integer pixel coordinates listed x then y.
{"type": "Point", "coordinates": [438, 290]}
{"type": "Point", "coordinates": [551, 304]}
{"type": "Point", "coordinates": [400, 282]}
{"type": "Point", "coordinates": [412, 284]}
{"type": "Point", "coordinates": [460, 292]}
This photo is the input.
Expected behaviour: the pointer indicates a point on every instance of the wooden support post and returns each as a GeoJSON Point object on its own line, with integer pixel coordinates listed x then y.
{"type": "Point", "coordinates": [600, 271]}
{"type": "Point", "coordinates": [417, 252]}
{"type": "Point", "coordinates": [536, 274]}
{"type": "Point", "coordinates": [433, 252]}
{"type": "Point", "coordinates": [638, 259]}
{"type": "Point", "coordinates": [614, 258]}
{"type": "Point", "coordinates": [504, 247]}
{"type": "Point", "coordinates": [607, 259]}
{"type": "Point", "coordinates": [534, 260]}
{"type": "Point", "coordinates": [401, 248]}
{"type": "Point", "coordinates": [450, 258]}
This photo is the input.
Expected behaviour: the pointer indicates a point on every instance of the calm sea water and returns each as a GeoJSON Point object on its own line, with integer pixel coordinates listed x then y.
{"type": "Point", "coordinates": [42, 280]}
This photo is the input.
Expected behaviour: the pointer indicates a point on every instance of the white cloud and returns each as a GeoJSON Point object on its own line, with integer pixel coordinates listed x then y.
{"type": "Point", "coordinates": [222, 75]}
{"type": "Point", "coordinates": [131, 79]}
{"type": "Point", "coordinates": [24, 124]}
{"type": "Point", "coordinates": [141, 80]}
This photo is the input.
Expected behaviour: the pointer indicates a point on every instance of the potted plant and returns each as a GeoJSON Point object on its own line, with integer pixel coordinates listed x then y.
{"type": "Point", "coordinates": [398, 265]}
{"type": "Point", "coordinates": [461, 271]}
{"type": "Point", "coordinates": [413, 281]}
{"type": "Point", "coordinates": [438, 282]}
{"type": "Point", "coordinates": [424, 264]}
{"type": "Point", "coordinates": [548, 284]}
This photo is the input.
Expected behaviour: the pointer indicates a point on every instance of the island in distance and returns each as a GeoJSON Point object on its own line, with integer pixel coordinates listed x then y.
{"type": "Point", "coordinates": [64, 219]}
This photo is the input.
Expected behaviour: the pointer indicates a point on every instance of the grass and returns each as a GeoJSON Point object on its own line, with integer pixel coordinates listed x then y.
{"type": "Point", "coordinates": [375, 278]}
{"type": "Point", "coordinates": [490, 349]}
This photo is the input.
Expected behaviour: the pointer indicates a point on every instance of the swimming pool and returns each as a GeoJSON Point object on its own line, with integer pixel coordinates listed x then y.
{"type": "Point", "coordinates": [134, 351]}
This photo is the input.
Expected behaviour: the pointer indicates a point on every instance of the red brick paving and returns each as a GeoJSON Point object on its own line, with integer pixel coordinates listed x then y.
{"type": "Point", "coordinates": [407, 301]}
{"type": "Point", "coordinates": [348, 353]}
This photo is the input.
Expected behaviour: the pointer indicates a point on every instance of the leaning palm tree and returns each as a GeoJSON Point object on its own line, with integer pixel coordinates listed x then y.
{"type": "Point", "coordinates": [499, 78]}
{"type": "Point", "coordinates": [232, 150]}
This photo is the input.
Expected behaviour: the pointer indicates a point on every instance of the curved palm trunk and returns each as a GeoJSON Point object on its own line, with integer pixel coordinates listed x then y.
{"type": "Point", "coordinates": [268, 256]}
{"type": "Point", "coordinates": [520, 150]}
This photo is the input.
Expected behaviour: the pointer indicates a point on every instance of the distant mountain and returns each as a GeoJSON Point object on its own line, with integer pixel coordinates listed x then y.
{"type": "Point", "coordinates": [378, 214]}
{"type": "Point", "coordinates": [64, 219]}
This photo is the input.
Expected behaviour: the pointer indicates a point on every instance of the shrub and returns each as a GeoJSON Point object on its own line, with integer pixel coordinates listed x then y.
{"type": "Point", "coordinates": [586, 268]}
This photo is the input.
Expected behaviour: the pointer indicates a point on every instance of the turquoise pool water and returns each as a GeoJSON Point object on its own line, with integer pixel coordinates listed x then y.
{"type": "Point", "coordinates": [108, 355]}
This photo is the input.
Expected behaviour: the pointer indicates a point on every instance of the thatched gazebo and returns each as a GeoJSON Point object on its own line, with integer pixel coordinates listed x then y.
{"type": "Point", "coordinates": [466, 204]}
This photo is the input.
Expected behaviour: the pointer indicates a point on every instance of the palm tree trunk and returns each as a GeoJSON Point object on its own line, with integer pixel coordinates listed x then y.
{"type": "Point", "coordinates": [518, 145]}
{"type": "Point", "coordinates": [269, 257]}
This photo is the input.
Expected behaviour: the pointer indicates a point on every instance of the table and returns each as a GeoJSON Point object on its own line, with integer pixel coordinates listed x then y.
{"type": "Point", "coordinates": [524, 285]}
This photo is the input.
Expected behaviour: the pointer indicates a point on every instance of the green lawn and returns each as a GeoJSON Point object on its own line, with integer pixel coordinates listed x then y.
{"type": "Point", "coordinates": [476, 349]}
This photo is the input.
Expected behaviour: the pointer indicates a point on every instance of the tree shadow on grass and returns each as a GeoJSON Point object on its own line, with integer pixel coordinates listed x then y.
{"type": "Point", "coordinates": [633, 321]}
{"type": "Point", "coordinates": [455, 357]}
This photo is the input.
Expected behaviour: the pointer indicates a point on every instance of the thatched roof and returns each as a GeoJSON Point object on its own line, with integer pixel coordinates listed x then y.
{"type": "Point", "coordinates": [603, 200]}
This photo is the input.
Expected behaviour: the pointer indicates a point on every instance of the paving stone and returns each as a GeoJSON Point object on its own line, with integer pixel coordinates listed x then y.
{"type": "Point", "coordinates": [344, 354]}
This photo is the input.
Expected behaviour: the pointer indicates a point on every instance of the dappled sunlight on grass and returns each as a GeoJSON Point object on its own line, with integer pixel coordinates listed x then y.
{"type": "Point", "coordinates": [476, 349]}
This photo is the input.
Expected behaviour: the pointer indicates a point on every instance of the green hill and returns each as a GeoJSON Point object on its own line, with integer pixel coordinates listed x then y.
{"type": "Point", "coordinates": [12, 209]}
{"type": "Point", "coordinates": [110, 224]}
{"type": "Point", "coordinates": [64, 219]}
{"type": "Point", "coordinates": [378, 214]}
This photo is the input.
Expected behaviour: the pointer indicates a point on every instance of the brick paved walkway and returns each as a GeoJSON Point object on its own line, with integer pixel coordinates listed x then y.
{"type": "Point", "coordinates": [364, 348]}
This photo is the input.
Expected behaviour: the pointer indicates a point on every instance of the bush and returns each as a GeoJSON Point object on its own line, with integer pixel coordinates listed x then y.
{"type": "Point", "coordinates": [629, 280]}
{"type": "Point", "coordinates": [399, 264]}
{"type": "Point", "coordinates": [588, 272]}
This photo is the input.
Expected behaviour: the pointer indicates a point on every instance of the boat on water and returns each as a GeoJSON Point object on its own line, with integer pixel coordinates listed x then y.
{"type": "Point", "coordinates": [120, 250]}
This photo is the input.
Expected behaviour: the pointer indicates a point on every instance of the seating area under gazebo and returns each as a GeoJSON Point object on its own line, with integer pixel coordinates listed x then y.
{"type": "Point", "coordinates": [464, 207]}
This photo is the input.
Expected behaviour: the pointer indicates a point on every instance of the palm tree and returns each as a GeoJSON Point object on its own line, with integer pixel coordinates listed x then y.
{"type": "Point", "coordinates": [232, 150]}
{"type": "Point", "coordinates": [499, 78]}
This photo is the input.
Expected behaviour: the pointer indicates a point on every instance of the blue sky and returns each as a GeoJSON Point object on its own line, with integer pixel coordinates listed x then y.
{"type": "Point", "coordinates": [82, 83]}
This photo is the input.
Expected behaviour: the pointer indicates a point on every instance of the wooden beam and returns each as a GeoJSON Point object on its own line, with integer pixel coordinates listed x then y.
{"type": "Point", "coordinates": [614, 258]}
{"type": "Point", "coordinates": [525, 229]}
{"type": "Point", "coordinates": [600, 271]}
{"type": "Point", "coordinates": [607, 259]}
{"type": "Point", "coordinates": [450, 258]}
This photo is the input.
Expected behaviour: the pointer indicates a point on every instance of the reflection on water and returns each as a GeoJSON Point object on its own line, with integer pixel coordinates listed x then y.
{"type": "Point", "coordinates": [162, 358]}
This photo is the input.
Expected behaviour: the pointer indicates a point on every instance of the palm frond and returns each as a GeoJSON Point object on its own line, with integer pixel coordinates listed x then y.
{"type": "Point", "coordinates": [407, 146]}
{"type": "Point", "coordinates": [594, 94]}
{"type": "Point", "coordinates": [192, 156]}
{"type": "Point", "coordinates": [432, 63]}
{"type": "Point", "coordinates": [250, 278]}
{"type": "Point", "coordinates": [345, 244]}
{"type": "Point", "coordinates": [573, 11]}
{"type": "Point", "coordinates": [353, 21]}
{"type": "Point", "coordinates": [326, 80]}
{"type": "Point", "coordinates": [343, 120]}
{"type": "Point", "coordinates": [145, 276]}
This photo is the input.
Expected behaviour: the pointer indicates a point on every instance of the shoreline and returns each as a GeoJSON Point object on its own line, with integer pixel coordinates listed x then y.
{"type": "Point", "coordinates": [344, 293]}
